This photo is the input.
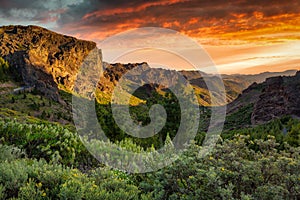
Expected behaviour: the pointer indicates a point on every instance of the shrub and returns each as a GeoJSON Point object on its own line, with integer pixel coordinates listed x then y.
{"type": "Point", "coordinates": [31, 190]}
{"type": "Point", "coordinates": [9, 153]}
{"type": "Point", "coordinates": [49, 141]}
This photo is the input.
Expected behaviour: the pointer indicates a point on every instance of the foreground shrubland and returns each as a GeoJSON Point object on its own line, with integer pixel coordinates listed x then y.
{"type": "Point", "coordinates": [48, 161]}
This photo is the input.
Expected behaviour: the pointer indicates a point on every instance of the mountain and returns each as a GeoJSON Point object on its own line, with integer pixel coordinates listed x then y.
{"type": "Point", "coordinates": [41, 58]}
{"type": "Point", "coordinates": [49, 62]}
{"type": "Point", "coordinates": [274, 98]}
{"type": "Point", "coordinates": [233, 84]}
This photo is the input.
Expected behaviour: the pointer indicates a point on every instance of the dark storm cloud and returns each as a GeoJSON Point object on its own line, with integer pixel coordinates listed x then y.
{"type": "Point", "coordinates": [18, 9]}
{"type": "Point", "coordinates": [32, 10]}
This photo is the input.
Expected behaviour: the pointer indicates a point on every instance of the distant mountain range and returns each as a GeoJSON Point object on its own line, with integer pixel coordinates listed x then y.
{"type": "Point", "coordinates": [49, 62]}
{"type": "Point", "coordinates": [233, 84]}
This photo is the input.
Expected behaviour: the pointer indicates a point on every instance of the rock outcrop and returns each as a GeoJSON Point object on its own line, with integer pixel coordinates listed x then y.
{"type": "Point", "coordinates": [279, 97]}
{"type": "Point", "coordinates": [43, 59]}
{"type": "Point", "coordinates": [274, 98]}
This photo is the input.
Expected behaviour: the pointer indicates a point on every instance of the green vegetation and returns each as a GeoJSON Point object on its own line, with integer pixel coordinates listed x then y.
{"type": "Point", "coordinates": [240, 118]}
{"type": "Point", "coordinates": [34, 104]}
{"type": "Point", "coordinates": [232, 171]}
{"type": "Point", "coordinates": [23, 178]}
{"type": "Point", "coordinates": [47, 161]}
{"type": "Point", "coordinates": [42, 157]}
{"type": "Point", "coordinates": [283, 130]}
{"type": "Point", "coordinates": [140, 115]}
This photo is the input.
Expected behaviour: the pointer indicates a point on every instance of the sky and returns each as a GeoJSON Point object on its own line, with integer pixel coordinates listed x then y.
{"type": "Point", "coordinates": [240, 36]}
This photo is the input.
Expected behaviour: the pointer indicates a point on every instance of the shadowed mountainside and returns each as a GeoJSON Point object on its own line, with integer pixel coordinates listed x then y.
{"type": "Point", "coordinates": [274, 98]}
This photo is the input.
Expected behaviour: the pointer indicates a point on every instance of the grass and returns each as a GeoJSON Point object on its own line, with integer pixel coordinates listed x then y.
{"type": "Point", "coordinates": [35, 105]}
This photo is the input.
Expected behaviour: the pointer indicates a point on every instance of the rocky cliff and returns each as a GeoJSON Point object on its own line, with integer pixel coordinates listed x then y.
{"type": "Point", "coordinates": [279, 97]}
{"type": "Point", "coordinates": [274, 98]}
{"type": "Point", "coordinates": [43, 59]}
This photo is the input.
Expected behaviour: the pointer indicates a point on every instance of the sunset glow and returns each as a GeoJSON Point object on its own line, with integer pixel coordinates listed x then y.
{"type": "Point", "coordinates": [240, 36]}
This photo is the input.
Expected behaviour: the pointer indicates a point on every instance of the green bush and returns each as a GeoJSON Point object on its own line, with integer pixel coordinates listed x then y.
{"type": "Point", "coordinates": [9, 153]}
{"type": "Point", "coordinates": [232, 171]}
{"type": "Point", "coordinates": [49, 141]}
{"type": "Point", "coordinates": [31, 190]}
{"type": "Point", "coordinates": [37, 162]}
{"type": "Point", "coordinates": [13, 175]}
{"type": "Point", "coordinates": [32, 179]}
{"type": "Point", "coordinates": [2, 192]}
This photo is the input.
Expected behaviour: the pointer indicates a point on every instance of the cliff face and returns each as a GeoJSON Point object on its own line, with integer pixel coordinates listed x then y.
{"type": "Point", "coordinates": [42, 58]}
{"type": "Point", "coordinates": [279, 97]}
{"type": "Point", "coordinates": [274, 98]}
{"type": "Point", "coordinates": [112, 74]}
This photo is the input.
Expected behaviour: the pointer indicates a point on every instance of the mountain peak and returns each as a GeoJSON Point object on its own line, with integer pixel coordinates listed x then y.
{"type": "Point", "coordinates": [42, 58]}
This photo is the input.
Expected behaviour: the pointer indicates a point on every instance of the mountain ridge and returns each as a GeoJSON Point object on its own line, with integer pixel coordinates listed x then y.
{"type": "Point", "coordinates": [274, 98]}
{"type": "Point", "coordinates": [50, 61]}
{"type": "Point", "coordinates": [42, 58]}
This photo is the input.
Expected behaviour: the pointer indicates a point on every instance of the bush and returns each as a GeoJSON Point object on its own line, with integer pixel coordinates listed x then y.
{"type": "Point", "coordinates": [232, 171]}
{"type": "Point", "coordinates": [49, 141]}
{"type": "Point", "coordinates": [9, 153]}
{"type": "Point", "coordinates": [25, 178]}
{"type": "Point", "coordinates": [13, 175]}
{"type": "Point", "coordinates": [31, 190]}
{"type": "Point", "coordinates": [2, 192]}
{"type": "Point", "coordinates": [243, 167]}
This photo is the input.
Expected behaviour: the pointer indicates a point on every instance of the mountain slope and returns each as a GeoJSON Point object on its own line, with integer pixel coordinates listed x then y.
{"type": "Point", "coordinates": [274, 98]}
{"type": "Point", "coordinates": [233, 84]}
{"type": "Point", "coordinates": [46, 60]}
{"type": "Point", "coordinates": [41, 58]}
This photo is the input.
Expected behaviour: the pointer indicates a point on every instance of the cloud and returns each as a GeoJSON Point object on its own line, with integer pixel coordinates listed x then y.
{"type": "Point", "coordinates": [216, 23]}
{"type": "Point", "coordinates": [33, 11]}
{"type": "Point", "coordinates": [99, 19]}
{"type": "Point", "coordinates": [219, 20]}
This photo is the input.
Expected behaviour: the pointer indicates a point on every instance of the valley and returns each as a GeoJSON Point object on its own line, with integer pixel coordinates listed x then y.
{"type": "Point", "coordinates": [256, 156]}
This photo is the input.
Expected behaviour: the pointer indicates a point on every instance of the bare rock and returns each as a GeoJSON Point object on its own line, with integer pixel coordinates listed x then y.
{"type": "Point", "coordinates": [42, 58]}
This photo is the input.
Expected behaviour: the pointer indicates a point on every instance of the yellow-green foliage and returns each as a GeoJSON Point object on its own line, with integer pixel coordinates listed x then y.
{"type": "Point", "coordinates": [37, 162]}
{"type": "Point", "coordinates": [32, 179]}
{"type": "Point", "coordinates": [4, 70]}
{"type": "Point", "coordinates": [232, 171]}
{"type": "Point", "coordinates": [49, 141]}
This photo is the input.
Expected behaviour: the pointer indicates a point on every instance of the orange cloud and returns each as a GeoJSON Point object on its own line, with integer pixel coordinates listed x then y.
{"type": "Point", "coordinates": [244, 28]}
{"type": "Point", "coordinates": [258, 15]}
{"type": "Point", "coordinates": [238, 15]}
{"type": "Point", "coordinates": [215, 23]}
{"type": "Point", "coordinates": [193, 20]}
{"type": "Point", "coordinates": [142, 7]}
{"type": "Point", "coordinates": [171, 24]}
